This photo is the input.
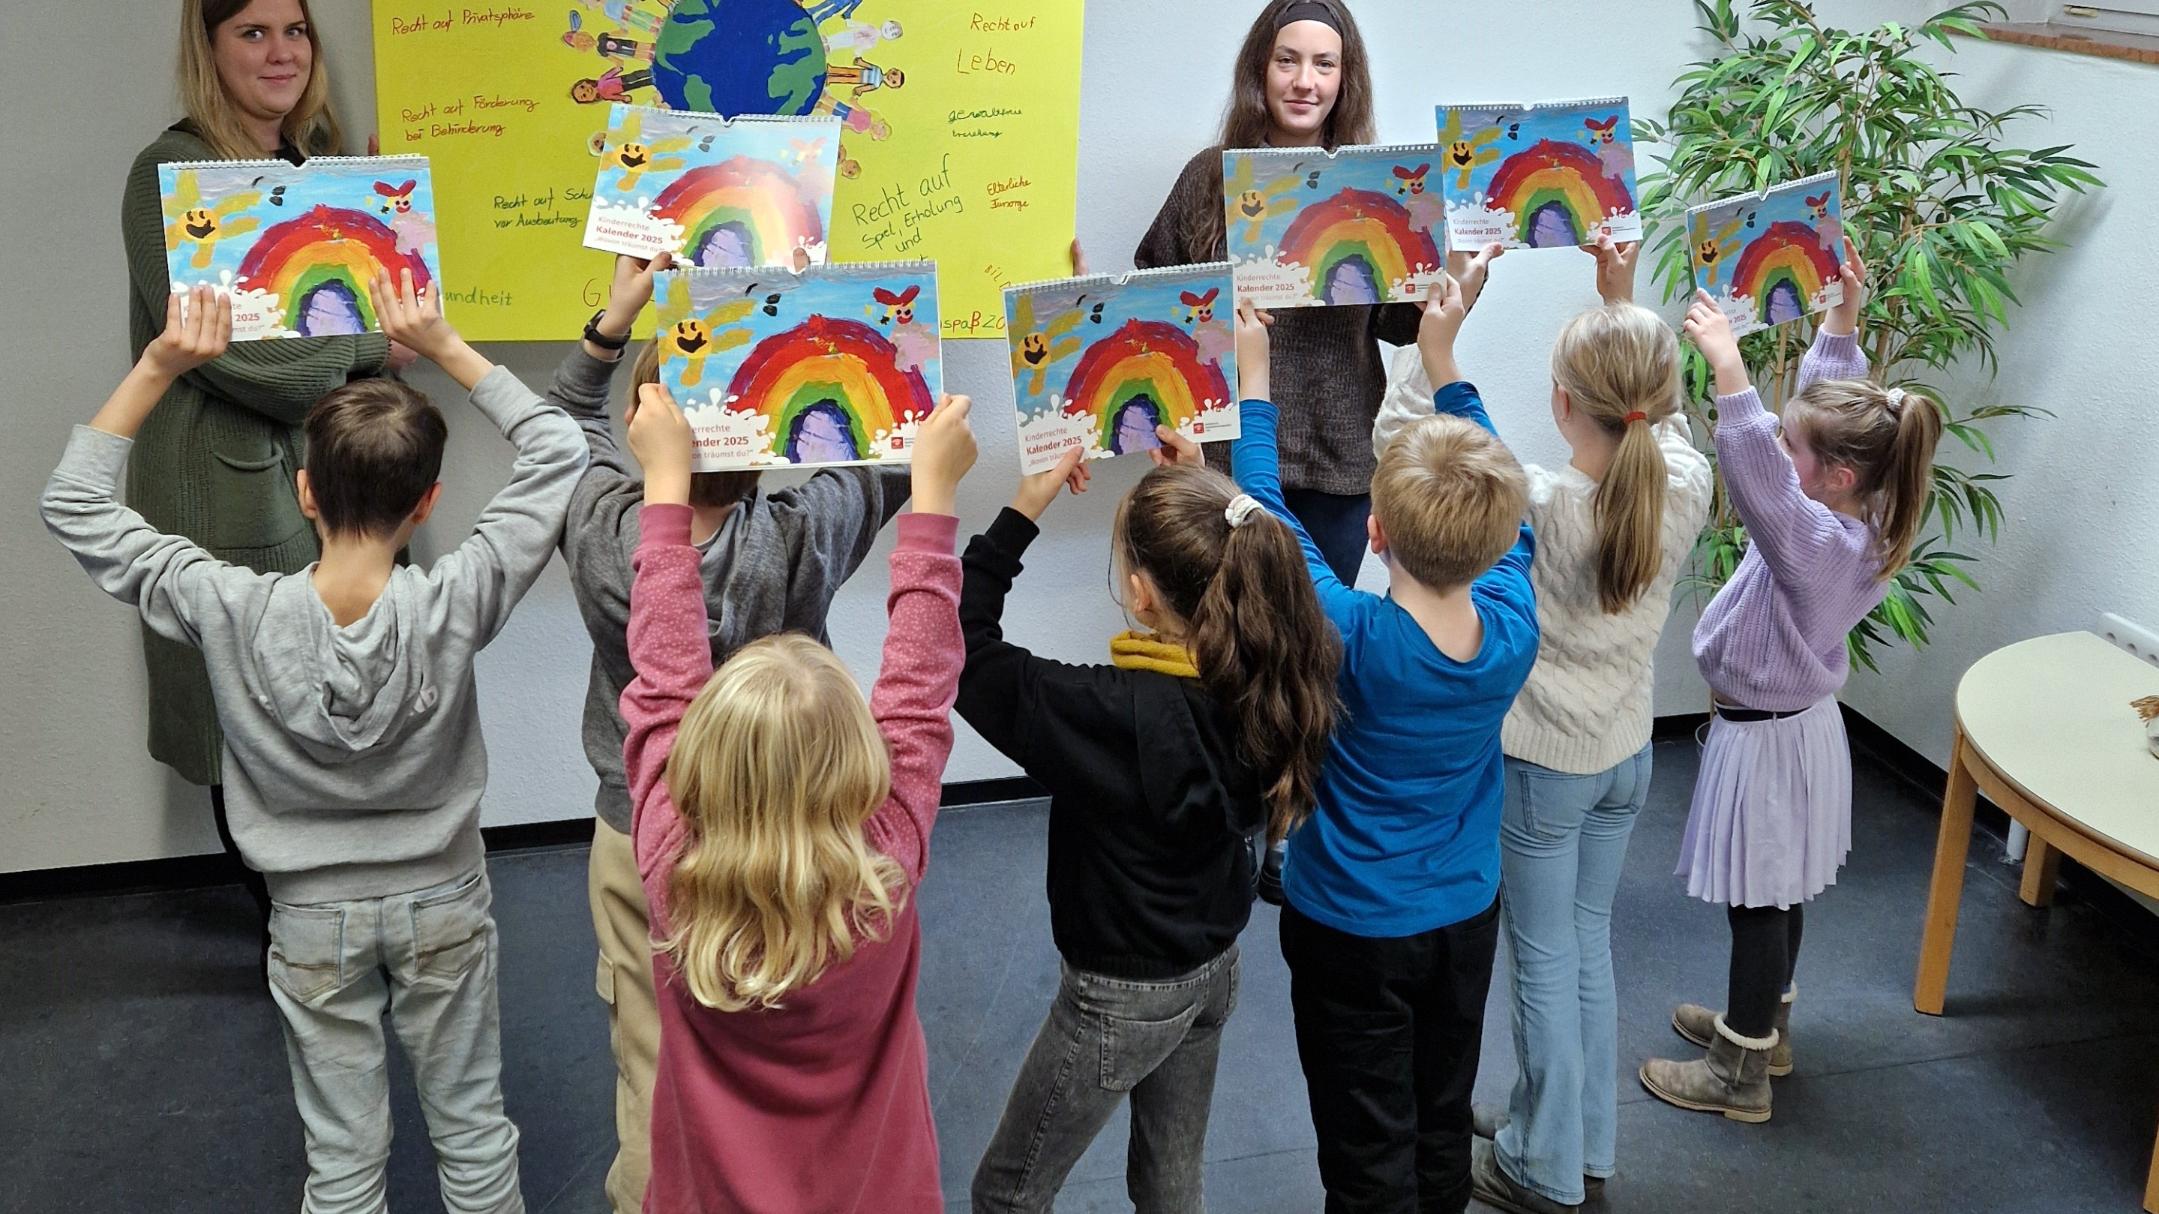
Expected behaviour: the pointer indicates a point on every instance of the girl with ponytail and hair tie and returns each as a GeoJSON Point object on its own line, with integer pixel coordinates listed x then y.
{"type": "Point", "coordinates": [1204, 731]}
{"type": "Point", "coordinates": [1614, 529]}
{"type": "Point", "coordinates": [1302, 79]}
{"type": "Point", "coordinates": [1832, 498]}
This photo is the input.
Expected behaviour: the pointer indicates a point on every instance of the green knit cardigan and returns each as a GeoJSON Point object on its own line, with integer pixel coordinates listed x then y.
{"type": "Point", "coordinates": [215, 461]}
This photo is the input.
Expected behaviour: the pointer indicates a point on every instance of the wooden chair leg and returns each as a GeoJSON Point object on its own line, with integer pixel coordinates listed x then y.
{"type": "Point", "coordinates": [2042, 864]}
{"type": "Point", "coordinates": [1946, 891]}
{"type": "Point", "coordinates": [2151, 1184]}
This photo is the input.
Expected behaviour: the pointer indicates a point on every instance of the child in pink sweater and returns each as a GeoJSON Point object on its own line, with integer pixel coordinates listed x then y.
{"type": "Point", "coordinates": [781, 826]}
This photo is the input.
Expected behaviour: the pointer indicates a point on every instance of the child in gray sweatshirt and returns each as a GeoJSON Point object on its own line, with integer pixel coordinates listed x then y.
{"type": "Point", "coordinates": [770, 563]}
{"type": "Point", "coordinates": [353, 758]}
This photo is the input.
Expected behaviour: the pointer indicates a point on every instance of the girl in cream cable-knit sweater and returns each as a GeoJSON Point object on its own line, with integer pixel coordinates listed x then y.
{"type": "Point", "coordinates": [1614, 528]}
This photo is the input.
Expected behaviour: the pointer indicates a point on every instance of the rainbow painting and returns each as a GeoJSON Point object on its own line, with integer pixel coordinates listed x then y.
{"type": "Point", "coordinates": [1358, 225]}
{"type": "Point", "coordinates": [298, 247]}
{"type": "Point", "coordinates": [751, 191]}
{"type": "Point", "coordinates": [1098, 363]}
{"type": "Point", "coordinates": [1771, 258]}
{"type": "Point", "coordinates": [1547, 175]}
{"type": "Point", "coordinates": [779, 367]}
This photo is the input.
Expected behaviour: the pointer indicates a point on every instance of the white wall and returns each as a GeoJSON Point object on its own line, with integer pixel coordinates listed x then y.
{"type": "Point", "coordinates": [2082, 529]}
{"type": "Point", "coordinates": [76, 788]}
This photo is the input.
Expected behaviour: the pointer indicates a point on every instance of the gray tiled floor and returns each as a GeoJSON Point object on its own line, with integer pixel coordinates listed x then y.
{"type": "Point", "coordinates": [140, 1067]}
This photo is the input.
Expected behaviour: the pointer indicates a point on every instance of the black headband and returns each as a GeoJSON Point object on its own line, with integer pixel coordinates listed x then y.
{"type": "Point", "coordinates": [1309, 10]}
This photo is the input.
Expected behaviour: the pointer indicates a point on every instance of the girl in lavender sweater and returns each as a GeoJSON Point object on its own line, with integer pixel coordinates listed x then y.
{"type": "Point", "coordinates": [1831, 498]}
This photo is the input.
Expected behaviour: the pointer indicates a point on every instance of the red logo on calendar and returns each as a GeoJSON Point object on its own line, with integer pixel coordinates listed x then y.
{"type": "Point", "coordinates": [899, 442]}
{"type": "Point", "coordinates": [1199, 427]}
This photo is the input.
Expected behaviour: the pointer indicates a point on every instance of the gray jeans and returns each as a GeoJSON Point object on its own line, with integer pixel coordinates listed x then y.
{"type": "Point", "coordinates": [1106, 1038]}
{"type": "Point", "coordinates": [429, 958]}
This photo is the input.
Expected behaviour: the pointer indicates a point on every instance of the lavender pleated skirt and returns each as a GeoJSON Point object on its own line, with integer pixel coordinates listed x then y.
{"type": "Point", "coordinates": [1771, 820]}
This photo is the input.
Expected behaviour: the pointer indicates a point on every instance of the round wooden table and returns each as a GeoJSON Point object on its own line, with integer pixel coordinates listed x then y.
{"type": "Point", "coordinates": [2045, 730]}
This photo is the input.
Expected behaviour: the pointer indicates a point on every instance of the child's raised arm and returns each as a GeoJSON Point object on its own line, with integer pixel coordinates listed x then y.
{"type": "Point", "coordinates": [127, 558]}
{"type": "Point", "coordinates": [1782, 521]}
{"type": "Point", "coordinates": [919, 676]}
{"type": "Point", "coordinates": [185, 344]}
{"type": "Point", "coordinates": [1835, 353]}
{"type": "Point", "coordinates": [1615, 268]}
{"type": "Point", "coordinates": [1446, 306]}
{"type": "Point", "coordinates": [414, 318]}
{"type": "Point", "coordinates": [667, 640]}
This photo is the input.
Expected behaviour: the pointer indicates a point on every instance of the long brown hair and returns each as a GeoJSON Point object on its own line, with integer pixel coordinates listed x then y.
{"type": "Point", "coordinates": [1263, 649]}
{"type": "Point", "coordinates": [1246, 120]}
{"type": "Point", "coordinates": [1886, 436]}
{"type": "Point", "coordinates": [1617, 362]}
{"type": "Point", "coordinates": [311, 126]}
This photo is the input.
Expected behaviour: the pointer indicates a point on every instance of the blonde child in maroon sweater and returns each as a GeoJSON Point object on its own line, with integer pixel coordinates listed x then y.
{"type": "Point", "coordinates": [782, 826]}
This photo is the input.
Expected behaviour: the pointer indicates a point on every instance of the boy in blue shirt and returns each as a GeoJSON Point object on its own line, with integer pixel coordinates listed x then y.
{"type": "Point", "coordinates": [1393, 884]}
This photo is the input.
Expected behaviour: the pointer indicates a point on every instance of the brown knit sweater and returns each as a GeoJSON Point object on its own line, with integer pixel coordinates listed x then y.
{"type": "Point", "coordinates": [215, 461]}
{"type": "Point", "coordinates": [1327, 370]}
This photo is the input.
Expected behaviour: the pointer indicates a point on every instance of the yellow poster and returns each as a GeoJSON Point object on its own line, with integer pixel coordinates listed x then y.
{"type": "Point", "coordinates": [960, 130]}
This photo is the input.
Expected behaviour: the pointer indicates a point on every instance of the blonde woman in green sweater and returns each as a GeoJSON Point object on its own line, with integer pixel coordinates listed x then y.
{"type": "Point", "coordinates": [215, 463]}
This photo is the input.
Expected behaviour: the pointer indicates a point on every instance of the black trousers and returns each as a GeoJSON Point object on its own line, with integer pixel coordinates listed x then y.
{"type": "Point", "coordinates": [1388, 1032]}
{"type": "Point", "coordinates": [257, 889]}
{"type": "Point", "coordinates": [1765, 955]}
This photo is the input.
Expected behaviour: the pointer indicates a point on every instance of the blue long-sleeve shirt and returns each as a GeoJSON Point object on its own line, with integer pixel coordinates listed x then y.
{"type": "Point", "coordinates": [1405, 835]}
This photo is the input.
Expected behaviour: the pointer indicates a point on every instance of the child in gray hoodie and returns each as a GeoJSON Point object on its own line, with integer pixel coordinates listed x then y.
{"type": "Point", "coordinates": [353, 758]}
{"type": "Point", "coordinates": [770, 562]}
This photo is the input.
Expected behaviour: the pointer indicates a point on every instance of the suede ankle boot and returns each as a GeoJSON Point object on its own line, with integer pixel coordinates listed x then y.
{"type": "Point", "coordinates": [1732, 1078]}
{"type": "Point", "coordinates": [1698, 1025]}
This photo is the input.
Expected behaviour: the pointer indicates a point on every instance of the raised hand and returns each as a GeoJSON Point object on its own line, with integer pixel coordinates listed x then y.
{"type": "Point", "coordinates": [412, 318]}
{"type": "Point", "coordinates": [631, 290]}
{"type": "Point", "coordinates": [944, 451]}
{"type": "Point", "coordinates": [1615, 267]}
{"type": "Point", "coordinates": [660, 438]}
{"type": "Point", "coordinates": [1255, 349]}
{"type": "Point", "coordinates": [1844, 318]}
{"type": "Point", "coordinates": [1039, 489]}
{"type": "Point", "coordinates": [1176, 449]}
{"type": "Point", "coordinates": [1471, 270]}
{"type": "Point", "coordinates": [188, 343]}
{"type": "Point", "coordinates": [1444, 312]}
{"type": "Point", "coordinates": [1711, 331]}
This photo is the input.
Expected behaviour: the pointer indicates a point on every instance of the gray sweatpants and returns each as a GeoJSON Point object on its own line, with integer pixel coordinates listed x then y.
{"type": "Point", "coordinates": [429, 958]}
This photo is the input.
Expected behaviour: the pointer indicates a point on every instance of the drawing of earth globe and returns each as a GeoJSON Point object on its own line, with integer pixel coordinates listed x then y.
{"type": "Point", "coordinates": [739, 57]}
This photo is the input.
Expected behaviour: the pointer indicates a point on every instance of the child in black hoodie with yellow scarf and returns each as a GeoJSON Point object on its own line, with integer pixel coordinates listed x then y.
{"type": "Point", "coordinates": [1202, 733]}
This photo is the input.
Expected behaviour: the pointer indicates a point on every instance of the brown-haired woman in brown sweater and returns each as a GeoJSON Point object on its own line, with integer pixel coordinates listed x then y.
{"type": "Point", "coordinates": [1302, 80]}
{"type": "Point", "coordinates": [215, 462]}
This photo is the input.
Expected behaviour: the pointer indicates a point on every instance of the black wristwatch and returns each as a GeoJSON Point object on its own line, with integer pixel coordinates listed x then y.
{"type": "Point", "coordinates": [597, 338]}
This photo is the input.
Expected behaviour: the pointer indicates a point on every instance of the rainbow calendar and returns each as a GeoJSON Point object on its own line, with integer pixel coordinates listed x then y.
{"type": "Point", "coordinates": [1098, 363]}
{"type": "Point", "coordinates": [1549, 175]}
{"type": "Point", "coordinates": [1771, 258]}
{"type": "Point", "coordinates": [753, 191]}
{"type": "Point", "coordinates": [1358, 225]}
{"type": "Point", "coordinates": [298, 247]}
{"type": "Point", "coordinates": [775, 367]}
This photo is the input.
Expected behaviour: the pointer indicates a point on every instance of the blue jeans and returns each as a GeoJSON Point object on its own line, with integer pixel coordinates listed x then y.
{"type": "Point", "coordinates": [1562, 842]}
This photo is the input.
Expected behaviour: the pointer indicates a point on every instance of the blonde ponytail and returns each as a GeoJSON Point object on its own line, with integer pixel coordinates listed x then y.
{"type": "Point", "coordinates": [1619, 365]}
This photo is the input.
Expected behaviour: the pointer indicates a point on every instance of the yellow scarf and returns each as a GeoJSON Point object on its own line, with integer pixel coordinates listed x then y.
{"type": "Point", "coordinates": [1141, 651]}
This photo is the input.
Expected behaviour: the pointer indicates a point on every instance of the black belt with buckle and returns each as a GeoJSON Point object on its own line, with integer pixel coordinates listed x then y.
{"type": "Point", "coordinates": [1743, 716]}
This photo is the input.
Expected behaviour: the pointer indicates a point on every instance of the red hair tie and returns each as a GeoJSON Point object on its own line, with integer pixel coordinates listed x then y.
{"type": "Point", "coordinates": [1636, 416]}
